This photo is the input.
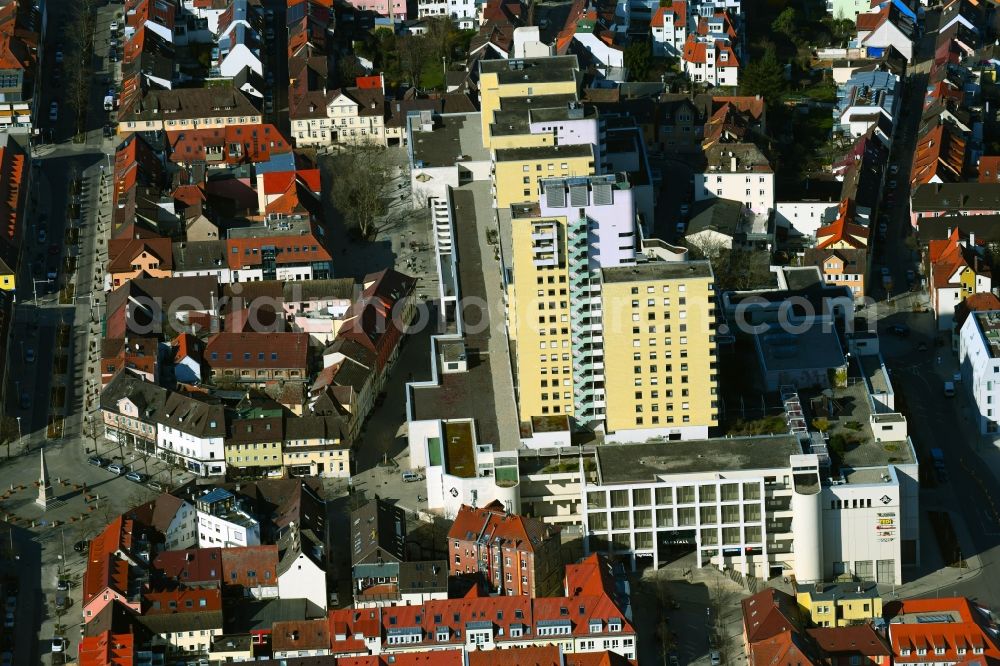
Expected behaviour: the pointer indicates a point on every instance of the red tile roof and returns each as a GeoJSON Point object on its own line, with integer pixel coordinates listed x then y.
{"type": "Point", "coordinates": [861, 640]}
{"type": "Point", "coordinates": [965, 629]}
{"type": "Point", "coordinates": [107, 649]}
{"type": "Point", "coordinates": [106, 566]}
{"type": "Point", "coordinates": [242, 252]}
{"type": "Point", "coordinates": [194, 566]}
{"type": "Point", "coordinates": [234, 144]}
{"type": "Point", "coordinates": [182, 601]}
{"type": "Point", "coordinates": [300, 635]}
{"type": "Point", "coordinates": [250, 566]}
{"type": "Point", "coordinates": [374, 82]}
{"type": "Point", "coordinates": [949, 256]}
{"type": "Point", "coordinates": [258, 350]}
{"type": "Point", "coordinates": [536, 655]}
{"type": "Point", "coordinates": [12, 163]}
{"type": "Point", "coordinates": [939, 152]}
{"type": "Point", "coordinates": [869, 21]}
{"type": "Point", "coordinates": [123, 251]}
{"type": "Point", "coordinates": [843, 229]}
{"type": "Point", "coordinates": [989, 169]}
{"type": "Point", "coordinates": [493, 523]}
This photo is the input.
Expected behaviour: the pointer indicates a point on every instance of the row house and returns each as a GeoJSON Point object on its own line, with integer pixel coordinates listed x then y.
{"type": "Point", "coordinates": [129, 258]}
{"type": "Point", "coordinates": [285, 248]}
{"type": "Point", "coordinates": [113, 570]}
{"type": "Point", "coordinates": [175, 427]}
{"type": "Point", "coordinates": [841, 251]}
{"type": "Point", "coordinates": [958, 269]}
{"type": "Point", "coordinates": [203, 258]}
{"type": "Point", "coordinates": [228, 146]}
{"type": "Point", "coordinates": [19, 36]}
{"type": "Point", "coordinates": [153, 307]}
{"type": "Point", "coordinates": [396, 9]}
{"type": "Point", "coordinates": [184, 109]}
{"type": "Point", "coordinates": [142, 356]}
{"type": "Point", "coordinates": [191, 433]}
{"type": "Point", "coordinates": [310, 27]}
{"type": "Point", "coordinates": [516, 555]}
{"type": "Point", "coordinates": [252, 569]}
{"type": "Point", "coordinates": [239, 40]}
{"type": "Point", "coordinates": [669, 27]}
{"type": "Point", "coordinates": [940, 152]}
{"type": "Point", "coordinates": [148, 58]}
{"type": "Point", "coordinates": [588, 618]}
{"type": "Point", "coordinates": [710, 53]}
{"type": "Point", "coordinates": [158, 16]}
{"type": "Point", "coordinates": [317, 446]}
{"type": "Point", "coordinates": [383, 574]}
{"type": "Point", "coordinates": [937, 199]}
{"type": "Point", "coordinates": [257, 358]}
{"type": "Point", "coordinates": [255, 445]}
{"type": "Point", "coordinates": [464, 13]}
{"type": "Point", "coordinates": [13, 171]}
{"type": "Point", "coordinates": [776, 630]}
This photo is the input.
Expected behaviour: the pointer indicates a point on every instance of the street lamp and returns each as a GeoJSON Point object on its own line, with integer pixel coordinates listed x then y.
{"type": "Point", "coordinates": [18, 431]}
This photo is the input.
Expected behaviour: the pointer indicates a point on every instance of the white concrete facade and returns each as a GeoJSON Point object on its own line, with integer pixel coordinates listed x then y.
{"type": "Point", "coordinates": [303, 579]}
{"type": "Point", "coordinates": [977, 355]}
{"type": "Point", "coordinates": [754, 189]}
{"type": "Point", "coordinates": [220, 532]}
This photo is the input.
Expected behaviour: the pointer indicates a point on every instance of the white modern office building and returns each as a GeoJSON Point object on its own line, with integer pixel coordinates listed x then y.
{"type": "Point", "coordinates": [778, 505]}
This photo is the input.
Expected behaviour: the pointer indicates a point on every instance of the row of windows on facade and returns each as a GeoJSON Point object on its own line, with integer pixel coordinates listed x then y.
{"type": "Point", "coordinates": [481, 637]}
{"type": "Point", "coordinates": [728, 492]}
{"type": "Point", "coordinates": [728, 514]}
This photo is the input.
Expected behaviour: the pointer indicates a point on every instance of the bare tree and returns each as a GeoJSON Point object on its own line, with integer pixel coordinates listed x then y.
{"type": "Point", "coordinates": [413, 55]}
{"type": "Point", "coordinates": [361, 189]}
{"type": "Point", "coordinates": [79, 36]}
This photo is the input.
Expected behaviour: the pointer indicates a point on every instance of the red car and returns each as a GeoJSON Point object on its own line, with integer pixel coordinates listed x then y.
{"type": "Point", "coordinates": [54, 249]}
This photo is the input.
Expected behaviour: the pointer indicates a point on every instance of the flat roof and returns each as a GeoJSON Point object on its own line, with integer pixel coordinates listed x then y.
{"type": "Point", "coordinates": [543, 152]}
{"type": "Point", "coordinates": [533, 101]}
{"type": "Point", "coordinates": [638, 463]}
{"type": "Point", "coordinates": [286, 226]}
{"type": "Point", "coordinates": [460, 454]}
{"type": "Point", "coordinates": [817, 347]}
{"type": "Point", "coordinates": [874, 373]}
{"type": "Point", "coordinates": [989, 326]}
{"type": "Point", "coordinates": [532, 70]}
{"type": "Point", "coordinates": [658, 270]}
{"type": "Point", "coordinates": [454, 138]}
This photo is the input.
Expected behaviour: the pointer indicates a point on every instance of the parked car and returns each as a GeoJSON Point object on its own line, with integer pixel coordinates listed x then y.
{"type": "Point", "coordinates": [716, 657]}
{"type": "Point", "coordinates": [59, 57]}
{"type": "Point", "coordinates": [409, 477]}
{"type": "Point", "coordinates": [883, 229]}
{"type": "Point", "coordinates": [81, 546]}
{"type": "Point", "coordinates": [54, 111]}
{"type": "Point", "coordinates": [98, 461]}
{"type": "Point", "coordinates": [109, 132]}
{"type": "Point", "coordinates": [29, 355]}
{"type": "Point", "coordinates": [42, 234]}
{"type": "Point", "coordinates": [137, 477]}
{"type": "Point", "coordinates": [155, 485]}
{"type": "Point", "coordinates": [8, 620]}
{"type": "Point", "coordinates": [25, 400]}
{"type": "Point", "coordinates": [58, 644]}
{"type": "Point", "coordinates": [949, 389]}
{"type": "Point", "coordinates": [62, 585]}
{"type": "Point", "coordinates": [685, 209]}
{"type": "Point", "coordinates": [115, 468]}
{"type": "Point", "coordinates": [892, 184]}
{"type": "Point", "coordinates": [7, 659]}
{"type": "Point", "coordinates": [885, 270]}
{"type": "Point", "coordinates": [894, 169]}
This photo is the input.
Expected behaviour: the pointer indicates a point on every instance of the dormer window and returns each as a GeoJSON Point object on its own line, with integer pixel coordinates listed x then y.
{"type": "Point", "coordinates": [921, 652]}
{"type": "Point", "coordinates": [939, 650]}
{"type": "Point", "coordinates": [614, 624]}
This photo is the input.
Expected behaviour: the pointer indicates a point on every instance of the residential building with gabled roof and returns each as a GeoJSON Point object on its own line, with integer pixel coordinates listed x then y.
{"type": "Point", "coordinates": [318, 446]}
{"type": "Point", "coordinates": [884, 27]}
{"type": "Point", "coordinates": [226, 146]}
{"type": "Point", "coordinates": [187, 108]}
{"type": "Point", "coordinates": [950, 630]}
{"type": "Point", "coordinates": [257, 358]}
{"type": "Point", "coordinates": [939, 156]}
{"type": "Point", "coordinates": [284, 248]}
{"type": "Point", "coordinates": [669, 26]}
{"type": "Point", "coordinates": [191, 432]}
{"type": "Point", "coordinates": [711, 53]}
{"type": "Point", "coordinates": [252, 569]}
{"type": "Point", "coordinates": [591, 616]}
{"type": "Point", "coordinates": [130, 258]}
{"type": "Point", "coordinates": [515, 555]}
{"type": "Point", "coordinates": [958, 268]}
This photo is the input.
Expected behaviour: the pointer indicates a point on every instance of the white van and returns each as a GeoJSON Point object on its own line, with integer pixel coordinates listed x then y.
{"type": "Point", "coordinates": [411, 476]}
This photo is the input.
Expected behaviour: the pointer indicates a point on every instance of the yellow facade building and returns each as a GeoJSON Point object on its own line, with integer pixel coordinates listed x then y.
{"type": "Point", "coordinates": [535, 78]}
{"type": "Point", "coordinates": [8, 277]}
{"type": "Point", "coordinates": [517, 171]}
{"type": "Point", "coordinates": [255, 443]}
{"type": "Point", "coordinates": [661, 372]}
{"type": "Point", "coordinates": [840, 604]}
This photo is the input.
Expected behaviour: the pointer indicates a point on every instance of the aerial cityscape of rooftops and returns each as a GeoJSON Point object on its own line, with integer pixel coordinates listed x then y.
{"type": "Point", "coordinates": [499, 332]}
